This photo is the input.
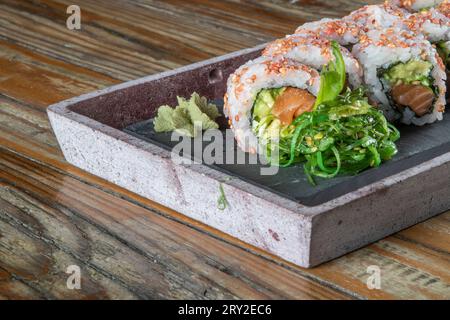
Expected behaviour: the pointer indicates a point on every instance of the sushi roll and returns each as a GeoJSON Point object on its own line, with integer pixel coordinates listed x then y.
{"type": "Point", "coordinates": [404, 74]}
{"type": "Point", "coordinates": [442, 38]}
{"type": "Point", "coordinates": [314, 52]}
{"type": "Point", "coordinates": [344, 32]}
{"type": "Point", "coordinates": [378, 17]}
{"type": "Point", "coordinates": [444, 8]}
{"type": "Point", "coordinates": [432, 24]}
{"type": "Point", "coordinates": [291, 114]}
{"type": "Point", "coordinates": [263, 97]}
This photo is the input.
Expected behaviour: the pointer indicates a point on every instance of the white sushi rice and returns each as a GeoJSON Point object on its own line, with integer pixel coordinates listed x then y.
{"type": "Point", "coordinates": [446, 45]}
{"type": "Point", "coordinates": [416, 5]}
{"type": "Point", "coordinates": [346, 31]}
{"type": "Point", "coordinates": [382, 49]}
{"type": "Point", "coordinates": [247, 81]}
{"type": "Point", "coordinates": [378, 17]}
{"type": "Point", "coordinates": [314, 52]}
{"type": "Point", "coordinates": [432, 24]}
{"type": "Point", "coordinates": [343, 32]}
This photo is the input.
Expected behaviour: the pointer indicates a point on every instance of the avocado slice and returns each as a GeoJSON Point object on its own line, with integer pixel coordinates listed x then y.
{"type": "Point", "coordinates": [409, 73]}
{"type": "Point", "coordinates": [265, 101]}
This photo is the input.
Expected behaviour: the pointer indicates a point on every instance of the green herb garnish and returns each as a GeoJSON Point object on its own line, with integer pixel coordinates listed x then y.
{"type": "Point", "coordinates": [222, 202]}
{"type": "Point", "coordinates": [343, 136]}
{"type": "Point", "coordinates": [332, 78]}
{"type": "Point", "coordinates": [189, 117]}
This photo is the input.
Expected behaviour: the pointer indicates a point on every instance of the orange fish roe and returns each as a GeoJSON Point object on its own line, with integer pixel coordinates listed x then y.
{"type": "Point", "coordinates": [393, 10]}
{"type": "Point", "coordinates": [336, 28]}
{"type": "Point", "coordinates": [341, 28]}
{"type": "Point", "coordinates": [391, 38]}
{"type": "Point", "coordinates": [236, 77]}
{"type": "Point", "coordinates": [283, 46]}
{"type": "Point", "coordinates": [252, 79]}
{"type": "Point", "coordinates": [415, 22]}
{"type": "Point", "coordinates": [406, 3]}
{"type": "Point", "coordinates": [364, 40]}
{"type": "Point", "coordinates": [284, 65]}
{"type": "Point", "coordinates": [226, 105]}
{"type": "Point", "coordinates": [439, 61]}
{"type": "Point", "coordinates": [444, 8]}
{"type": "Point", "coordinates": [326, 52]}
{"type": "Point", "coordinates": [239, 88]}
{"type": "Point", "coordinates": [366, 17]}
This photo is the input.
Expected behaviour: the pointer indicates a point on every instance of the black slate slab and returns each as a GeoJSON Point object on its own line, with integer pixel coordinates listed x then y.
{"type": "Point", "coordinates": [416, 145]}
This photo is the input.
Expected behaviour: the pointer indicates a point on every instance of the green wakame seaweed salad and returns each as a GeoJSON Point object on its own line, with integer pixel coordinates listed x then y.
{"type": "Point", "coordinates": [343, 134]}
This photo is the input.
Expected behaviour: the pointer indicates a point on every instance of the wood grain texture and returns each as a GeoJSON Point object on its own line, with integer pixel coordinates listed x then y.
{"type": "Point", "coordinates": [53, 215]}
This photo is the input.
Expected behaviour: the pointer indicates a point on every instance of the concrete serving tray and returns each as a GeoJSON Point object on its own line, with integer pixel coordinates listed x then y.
{"type": "Point", "coordinates": [108, 133]}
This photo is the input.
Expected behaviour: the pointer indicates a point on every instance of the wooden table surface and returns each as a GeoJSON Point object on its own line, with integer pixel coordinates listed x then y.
{"type": "Point", "coordinates": [53, 215]}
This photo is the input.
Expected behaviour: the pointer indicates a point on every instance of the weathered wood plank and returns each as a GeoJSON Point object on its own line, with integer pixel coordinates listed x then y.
{"type": "Point", "coordinates": [347, 270]}
{"type": "Point", "coordinates": [408, 271]}
{"type": "Point", "coordinates": [39, 266]}
{"type": "Point", "coordinates": [163, 38]}
{"type": "Point", "coordinates": [130, 245]}
{"type": "Point", "coordinates": [15, 289]}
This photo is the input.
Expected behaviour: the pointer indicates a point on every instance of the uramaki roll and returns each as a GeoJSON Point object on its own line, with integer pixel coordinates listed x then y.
{"type": "Point", "coordinates": [430, 22]}
{"type": "Point", "coordinates": [264, 95]}
{"type": "Point", "coordinates": [404, 74]}
{"type": "Point", "coordinates": [315, 52]}
{"type": "Point", "coordinates": [434, 24]}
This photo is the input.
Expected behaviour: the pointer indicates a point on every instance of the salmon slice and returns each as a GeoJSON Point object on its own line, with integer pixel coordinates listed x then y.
{"type": "Point", "coordinates": [417, 97]}
{"type": "Point", "coordinates": [292, 103]}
